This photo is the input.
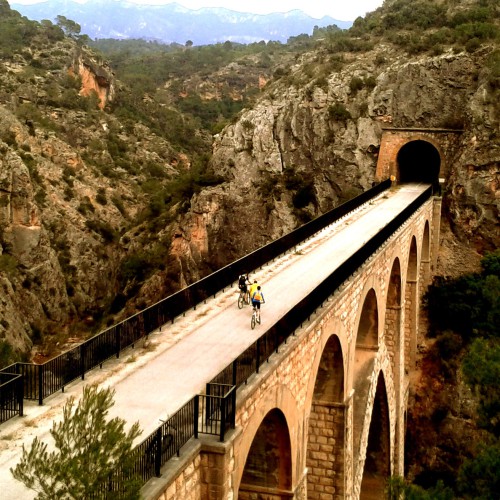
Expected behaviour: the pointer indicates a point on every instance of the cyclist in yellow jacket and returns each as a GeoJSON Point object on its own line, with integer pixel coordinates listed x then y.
{"type": "Point", "coordinates": [253, 288]}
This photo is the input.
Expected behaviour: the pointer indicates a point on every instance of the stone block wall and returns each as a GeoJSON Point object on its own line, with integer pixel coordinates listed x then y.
{"type": "Point", "coordinates": [325, 453]}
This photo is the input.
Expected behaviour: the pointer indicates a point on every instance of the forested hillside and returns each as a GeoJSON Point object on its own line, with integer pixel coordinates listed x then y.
{"type": "Point", "coordinates": [129, 169]}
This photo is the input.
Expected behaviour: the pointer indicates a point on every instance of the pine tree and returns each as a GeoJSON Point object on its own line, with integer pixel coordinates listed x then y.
{"type": "Point", "coordinates": [90, 450]}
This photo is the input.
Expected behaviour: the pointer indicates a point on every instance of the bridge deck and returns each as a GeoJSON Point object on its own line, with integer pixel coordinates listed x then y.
{"type": "Point", "coordinates": [158, 379]}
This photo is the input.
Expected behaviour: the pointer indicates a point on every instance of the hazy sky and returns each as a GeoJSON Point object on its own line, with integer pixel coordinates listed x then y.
{"type": "Point", "coordinates": [343, 10]}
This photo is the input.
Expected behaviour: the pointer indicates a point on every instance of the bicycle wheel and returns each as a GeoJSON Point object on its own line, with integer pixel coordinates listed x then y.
{"type": "Point", "coordinates": [240, 301]}
{"type": "Point", "coordinates": [252, 321]}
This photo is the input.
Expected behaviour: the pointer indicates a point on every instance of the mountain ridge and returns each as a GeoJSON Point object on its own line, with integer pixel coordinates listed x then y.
{"type": "Point", "coordinates": [173, 23]}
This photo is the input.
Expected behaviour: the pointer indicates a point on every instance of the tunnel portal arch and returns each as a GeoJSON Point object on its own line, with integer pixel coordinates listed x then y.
{"type": "Point", "coordinates": [418, 161]}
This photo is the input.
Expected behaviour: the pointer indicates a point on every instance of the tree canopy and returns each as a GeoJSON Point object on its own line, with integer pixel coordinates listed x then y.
{"type": "Point", "coordinates": [89, 448]}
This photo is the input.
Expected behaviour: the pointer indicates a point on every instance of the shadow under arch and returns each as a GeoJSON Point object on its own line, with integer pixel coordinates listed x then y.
{"type": "Point", "coordinates": [425, 261]}
{"type": "Point", "coordinates": [411, 306]}
{"type": "Point", "coordinates": [368, 323]}
{"type": "Point", "coordinates": [376, 470]}
{"type": "Point", "coordinates": [326, 440]}
{"type": "Point", "coordinates": [418, 161]}
{"type": "Point", "coordinates": [393, 316]}
{"type": "Point", "coordinates": [268, 467]}
{"type": "Point", "coordinates": [364, 364]}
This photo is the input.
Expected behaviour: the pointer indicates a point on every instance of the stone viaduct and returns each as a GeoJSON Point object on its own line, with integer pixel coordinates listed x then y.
{"type": "Point", "coordinates": [325, 418]}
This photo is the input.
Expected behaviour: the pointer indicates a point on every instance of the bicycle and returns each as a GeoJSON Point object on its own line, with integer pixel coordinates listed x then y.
{"type": "Point", "coordinates": [255, 317]}
{"type": "Point", "coordinates": [243, 298]}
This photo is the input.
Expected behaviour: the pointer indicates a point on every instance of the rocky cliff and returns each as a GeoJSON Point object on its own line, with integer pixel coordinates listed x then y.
{"type": "Point", "coordinates": [100, 214]}
{"type": "Point", "coordinates": [308, 145]}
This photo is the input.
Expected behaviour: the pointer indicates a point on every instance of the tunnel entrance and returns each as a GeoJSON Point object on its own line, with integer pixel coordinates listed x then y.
{"type": "Point", "coordinates": [418, 161]}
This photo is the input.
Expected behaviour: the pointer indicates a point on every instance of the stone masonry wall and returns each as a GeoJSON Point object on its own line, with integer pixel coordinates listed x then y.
{"type": "Point", "coordinates": [295, 375]}
{"type": "Point", "coordinates": [187, 484]}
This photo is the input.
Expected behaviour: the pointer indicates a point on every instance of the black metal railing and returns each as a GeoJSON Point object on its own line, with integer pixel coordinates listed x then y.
{"type": "Point", "coordinates": [44, 380]}
{"type": "Point", "coordinates": [11, 395]}
{"type": "Point", "coordinates": [259, 352]}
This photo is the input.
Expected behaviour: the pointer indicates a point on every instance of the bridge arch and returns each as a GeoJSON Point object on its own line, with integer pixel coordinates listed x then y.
{"type": "Point", "coordinates": [268, 465]}
{"type": "Point", "coordinates": [377, 464]}
{"type": "Point", "coordinates": [418, 161]}
{"type": "Point", "coordinates": [326, 427]}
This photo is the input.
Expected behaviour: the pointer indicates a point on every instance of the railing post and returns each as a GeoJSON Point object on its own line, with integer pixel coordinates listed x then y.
{"type": "Point", "coordinates": [233, 407]}
{"type": "Point", "coordinates": [257, 356]}
{"type": "Point", "coordinates": [208, 403]}
{"type": "Point", "coordinates": [117, 342]}
{"type": "Point", "coordinates": [40, 385]}
{"type": "Point", "coordinates": [223, 418]}
{"type": "Point", "coordinates": [158, 452]}
{"type": "Point", "coordinates": [196, 409]}
{"type": "Point", "coordinates": [235, 371]}
{"type": "Point", "coordinates": [20, 395]}
{"type": "Point", "coordinates": [82, 360]}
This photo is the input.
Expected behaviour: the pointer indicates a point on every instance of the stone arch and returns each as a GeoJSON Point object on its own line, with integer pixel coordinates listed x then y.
{"type": "Point", "coordinates": [326, 436]}
{"type": "Point", "coordinates": [268, 466]}
{"type": "Point", "coordinates": [378, 449]}
{"type": "Point", "coordinates": [367, 335]}
{"type": "Point", "coordinates": [418, 161]}
{"type": "Point", "coordinates": [411, 307]}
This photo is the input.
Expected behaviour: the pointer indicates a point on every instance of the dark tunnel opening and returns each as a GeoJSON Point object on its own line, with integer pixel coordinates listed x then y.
{"type": "Point", "coordinates": [418, 161]}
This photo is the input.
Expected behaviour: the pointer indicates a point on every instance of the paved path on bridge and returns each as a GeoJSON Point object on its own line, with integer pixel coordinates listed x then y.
{"type": "Point", "coordinates": [154, 380]}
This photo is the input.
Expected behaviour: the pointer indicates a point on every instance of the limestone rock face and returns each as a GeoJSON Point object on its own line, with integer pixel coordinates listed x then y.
{"type": "Point", "coordinates": [42, 294]}
{"type": "Point", "coordinates": [95, 78]}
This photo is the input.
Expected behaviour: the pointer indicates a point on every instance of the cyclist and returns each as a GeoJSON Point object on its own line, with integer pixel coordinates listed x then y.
{"type": "Point", "coordinates": [243, 281]}
{"type": "Point", "coordinates": [257, 299]}
{"type": "Point", "coordinates": [253, 288]}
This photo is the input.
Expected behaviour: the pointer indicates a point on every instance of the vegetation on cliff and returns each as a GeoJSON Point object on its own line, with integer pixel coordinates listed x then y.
{"type": "Point", "coordinates": [89, 447]}
{"type": "Point", "coordinates": [454, 426]}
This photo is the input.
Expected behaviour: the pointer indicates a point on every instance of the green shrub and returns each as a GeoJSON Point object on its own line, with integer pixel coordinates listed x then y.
{"type": "Point", "coordinates": [119, 205]}
{"type": "Point", "coordinates": [101, 196]}
{"type": "Point", "coordinates": [356, 84]}
{"type": "Point", "coordinates": [8, 264]}
{"type": "Point", "coordinates": [338, 112]}
{"type": "Point", "coordinates": [103, 229]}
{"type": "Point", "coordinates": [6, 351]}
